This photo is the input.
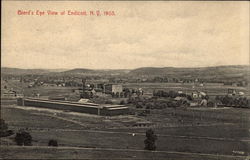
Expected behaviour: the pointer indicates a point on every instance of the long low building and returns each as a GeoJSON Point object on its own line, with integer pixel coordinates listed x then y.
{"type": "Point", "coordinates": [91, 108]}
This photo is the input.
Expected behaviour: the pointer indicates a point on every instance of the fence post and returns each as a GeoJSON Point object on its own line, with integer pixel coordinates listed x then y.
{"type": "Point", "coordinates": [22, 101]}
{"type": "Point", "coordinates": [98, 111]}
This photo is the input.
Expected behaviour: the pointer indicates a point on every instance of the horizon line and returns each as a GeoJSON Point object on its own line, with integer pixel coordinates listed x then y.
{"type": "Point", "coordinates": [125, 68]}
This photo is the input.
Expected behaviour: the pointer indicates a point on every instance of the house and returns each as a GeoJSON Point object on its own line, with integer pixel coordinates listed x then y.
{"type": "Point", "coordinates": [8, 94]}
{"type": "Point", "coordinates": [113, 89]}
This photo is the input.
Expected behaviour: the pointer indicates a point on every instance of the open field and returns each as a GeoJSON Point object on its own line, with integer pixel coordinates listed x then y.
{"type": "Point", "coordinates": [42, 90]}
{"type": "Point", "coordinates": [211, 88]}
{"type": "Point", "coordinates": [97, 153]}
{"type": "Point", "coordinates": [183, 133]}
{"type": "Point", "coordinates": [196, 136]}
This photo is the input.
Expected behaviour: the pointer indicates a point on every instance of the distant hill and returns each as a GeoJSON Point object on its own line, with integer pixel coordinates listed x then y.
{"type": "Point", "coordinates": [18, 71]}
{"type": "Point", "coordinates": [57, 70]}
{"type": "Point", "coordinates": [79, 71]}
{"type": "Point", "coordinates": [219, 71]}
{"type": "Point", "coordinates": [83, 71]}
{"type": "Point", "coordinates": [153, 71]}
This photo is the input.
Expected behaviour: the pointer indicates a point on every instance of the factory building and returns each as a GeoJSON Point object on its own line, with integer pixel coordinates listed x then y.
{"type": "Point", "coordinates": [113, 89]}
{"type": "Point", "coordinates": [91, 108]}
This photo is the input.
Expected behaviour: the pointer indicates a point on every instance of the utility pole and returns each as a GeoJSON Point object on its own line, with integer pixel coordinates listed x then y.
{"type": "Point", "coordinates": [83, 86]}
{"type": "Point", "coordinates": [104, 88]}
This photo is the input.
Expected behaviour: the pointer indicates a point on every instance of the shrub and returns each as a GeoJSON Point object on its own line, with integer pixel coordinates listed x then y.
{"type": "Point", "coordinates": [3, 125]}
{"type": "Point", "coordinates": [149, 105]}
{"type": "Point", "coordinates": [150, 140]}
{"type": "Point", "coordinates": [122, 102]}
{"type": "Point", "coordinates": [4, 132]}
{"type": "Point", "coordinates": [23, 138]}
{"type": "Point", "coordinates": [131, 100]}
{"type": "Point", "coordinates": [139, 105]}
{"type": "Point", "coordinates": [173, 104]}
{"type": "Point", "coordinates": [53, 143]}
{"type": "Point", "coordinates": [108, 102]}
{"type": "Point", "coordinates": [172, 94]}
{"type": "Point", "coordinates": [210, 104]}
{"type": "Point", "coordinates": [164, 105]}
{"type": "Point", "coordinates": [189, 98]}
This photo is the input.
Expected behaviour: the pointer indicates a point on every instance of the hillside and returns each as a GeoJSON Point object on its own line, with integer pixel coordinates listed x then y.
{"type": "Point", "coordinates": [219, 72]}
{"type": "Point", "coordinates": [18, 71]}
{"type": "Point", "coordinates": [202, 72]}
{"type": "Point", "coordinates": [83, 71]}
{"type": "Point", "coordinates": [78, 71]}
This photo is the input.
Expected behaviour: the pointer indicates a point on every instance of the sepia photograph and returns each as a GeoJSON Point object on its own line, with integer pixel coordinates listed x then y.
{"type": "Point", "coordinates": [148, 80]}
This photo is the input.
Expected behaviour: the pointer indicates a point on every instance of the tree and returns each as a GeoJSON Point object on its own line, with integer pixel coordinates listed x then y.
{"type": "Point", "coordinates": [3, 128]}
{"type": "Point", "coordinates": [4, 132]}
{"type": "Point", "coordinates": [149, 105]}
{"type": "Point", "coordinates": [189, 98]}
{"type": "Point", "coordinates": [23, 138]}
{"type": "Point", "coordinates": [108, 102]}
{"type": "Point", "coordinates": [122, 102]}
{"type": "Point", "coordinates": [117, 95]}
{"type": "Point", "coordinates": [173, 94]}
{"type": "Point", "coordinates": [150, 140]}
{"type": "Point", "coordinates": [3, 125]}
{"type": "Point", "coordinates": [53, 143]}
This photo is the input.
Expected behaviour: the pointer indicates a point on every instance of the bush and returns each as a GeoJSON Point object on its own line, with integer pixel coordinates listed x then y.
{"type": "Point", "coordinates": [139, 105]}
{"type": "Point", "coordinates": [150, 140]}
{"type": "Point", "coordinates": [173, 104]}
{"type": "Point", "coordinates": [4, 132]}
{"type": "Point", "coordinates": [53, 143]}
{"type": "Point", "coordinates": [173, 94]}
{"type": "Point", "coordinates": [23, 138]}
{"type": "Point", "coordinates": [210, 104]}
{"type": "Point", "coordinates": [132, 100]}
{"type": "Point", "coordinates": [122, 102]}
{"type": "Point", "coordinates": [108, 102]}
{"type": "Point", "coordinates": [3, 125]}
{"type": "Point", "coordinates": [149, 105]}
{"type": "Point", "coordinates": [164, 105]}
{"type": "Point", "coordinates": [189, 98]}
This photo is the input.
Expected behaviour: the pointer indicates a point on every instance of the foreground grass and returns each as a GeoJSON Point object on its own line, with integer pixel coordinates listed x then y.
{"type": "Point", "coordinates": [191, 142]}
{"type": "Point", "coordinates": [104, 153]}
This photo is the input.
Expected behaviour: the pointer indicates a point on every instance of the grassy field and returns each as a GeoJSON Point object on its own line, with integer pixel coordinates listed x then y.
{"type": "Point", "coordinates": [211, 89]}
{"type": "Point", "coordinates": [89, 153]}
{"type": "Point", "coordinates": [42, 90]}
{"type": "Point", "coordinates": [185, 135]}
{"type": "Point", "coordinates": [188, 134]}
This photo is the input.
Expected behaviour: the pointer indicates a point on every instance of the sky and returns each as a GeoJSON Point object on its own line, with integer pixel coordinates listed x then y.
{"type": "Point", "coordinates": [140, 34]}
